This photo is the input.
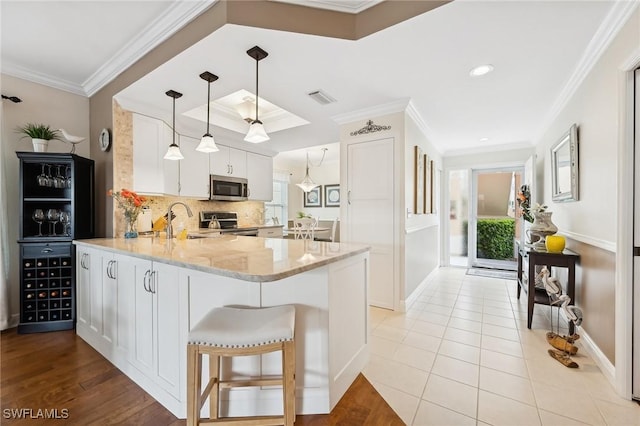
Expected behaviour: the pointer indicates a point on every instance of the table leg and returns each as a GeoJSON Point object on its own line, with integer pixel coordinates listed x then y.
{"type": "Point", "coordinates": [571, 291]}
{"type": "Point", "coordinates": [519, 280]}
{"type": "Point", "coordinates": [531, 293]}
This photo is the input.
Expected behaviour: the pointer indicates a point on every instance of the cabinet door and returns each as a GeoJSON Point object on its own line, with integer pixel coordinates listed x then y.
{"type": "Point", "coordinates": [219, 162]}
{"type": "Point", "coordinates": [170, 169]}
{"type": "Point", "coordinates": [194, 170]}
{"type": "Point", "coordinates": [260, 177]}
{"type": "Point", "coordinates": [142, 327]}
{"type": "Point", "coordinates": [167, 313]}
{"type": "Point", "coordinates": [109, 298]}
{"type": "Point", "coordinates": [148, 138]}
{"type": "Point", "coordinates": [238, 162]}
{"type": "Point", "coordinates": [124, 272]}
{"type": "Point", "coordinates": [83, 290]}
{"type": "Point", "coordinates": [94, 261]}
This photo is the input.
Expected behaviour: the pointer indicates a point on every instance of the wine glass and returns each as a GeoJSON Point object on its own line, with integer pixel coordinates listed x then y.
{"type": "Point", "coordinates": [53, 216]}
{"type": "Point", "coordinates": [38, 217]}
{"type": "Point", "coordinates": [59, 181]}
{"type": "Point", "coordinates": [49, 177]}
{"type": "Point", "coordinates": [42, 177]}
{"type": "Point", "coordinates": [65, 219]}
{"type": "Point", "coordinates": [67, 174]}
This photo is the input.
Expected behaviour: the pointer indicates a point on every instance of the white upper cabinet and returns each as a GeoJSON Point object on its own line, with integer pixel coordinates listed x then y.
{"type": "Point", "coordinates": [260, 177]}
{"type": "Point", "coordinates": [152, 174]}
{"type": "Point", "coordinates": [194, 170]}
{"type": "Point", "coordinates": [228, 162]}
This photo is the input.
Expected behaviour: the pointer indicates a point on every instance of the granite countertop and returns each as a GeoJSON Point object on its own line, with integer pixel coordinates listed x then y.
{"type": "Point", "coordinates": [245, 258]}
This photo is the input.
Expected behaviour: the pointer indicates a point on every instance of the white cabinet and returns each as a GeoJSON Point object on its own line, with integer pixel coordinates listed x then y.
{"type": "Point", "coordinates": [228, 162]}
{"type": "Point", "coordinates": [194, 170]}
{"type": "Point", "coordinates": [152, 174]}
{"type": "Point", "coordinates": [260, 177]}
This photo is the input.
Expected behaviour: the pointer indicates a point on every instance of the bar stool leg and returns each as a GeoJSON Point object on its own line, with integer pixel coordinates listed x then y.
{"type": "Point", "coordinates": [214, 396]}
{"type": "Point", "coordinates": [288, 382]}
{"type": "Point", "coordinates": [194, 384]}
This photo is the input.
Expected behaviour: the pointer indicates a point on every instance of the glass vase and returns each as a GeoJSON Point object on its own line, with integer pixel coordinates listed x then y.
{"type": "Point", "coordinates": [130, 227]}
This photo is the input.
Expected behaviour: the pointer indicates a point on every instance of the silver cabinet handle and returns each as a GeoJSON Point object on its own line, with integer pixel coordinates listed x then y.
{"type": "Point", "coordinates": [153, 282]}
{"type": "Point", "coordinates": [228, 169]}
{"type": "Point", "coordinates": [108, 269]}
{"type": "Point", "coordinates": [113, 269]}
{"type": "Point", "coordinates": [147, 275]}
{"type": "Point", "coordinates": [349, 197]}
{"type": "Point", "coordinates": [232, 169]}
{"type": "Point", "coordinates": [46, 250]}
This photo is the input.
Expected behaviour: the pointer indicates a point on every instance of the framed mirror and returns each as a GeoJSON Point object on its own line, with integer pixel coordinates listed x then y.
{"type": "Point", "coordinates": [564, 167]}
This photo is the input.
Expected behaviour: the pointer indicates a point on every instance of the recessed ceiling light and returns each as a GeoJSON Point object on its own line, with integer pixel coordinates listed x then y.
{"type": "Point", "coordinates": [484, 139]}
{"type": "Point", "coordinates": [481, 70]}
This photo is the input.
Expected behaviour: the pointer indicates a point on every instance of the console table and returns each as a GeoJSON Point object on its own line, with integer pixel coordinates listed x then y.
{"type": "Point", "coordinates": [565, 259]}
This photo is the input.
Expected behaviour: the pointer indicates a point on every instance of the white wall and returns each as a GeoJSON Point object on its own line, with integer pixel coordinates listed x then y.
{"type": "Point", "coordinates": [327, 174]}
{"type": "Point", "coordinates": [421, 248]}
{"type": "Point", "coordinates": [40, 104]}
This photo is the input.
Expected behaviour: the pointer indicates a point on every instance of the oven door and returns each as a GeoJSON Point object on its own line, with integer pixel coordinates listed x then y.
{"type": "Point", "coordinates": [225, 188]}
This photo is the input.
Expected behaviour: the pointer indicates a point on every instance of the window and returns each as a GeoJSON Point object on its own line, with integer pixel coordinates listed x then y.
{"type": "Point", "coordinates": [279, 203]}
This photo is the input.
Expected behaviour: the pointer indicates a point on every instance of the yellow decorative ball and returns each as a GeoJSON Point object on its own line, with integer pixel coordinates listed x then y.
{"type": "Point", "coordinates": [555, 243]}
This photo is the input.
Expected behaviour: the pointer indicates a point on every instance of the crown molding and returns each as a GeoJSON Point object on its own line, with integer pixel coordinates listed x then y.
{"type": "Point", "coordinates": [40, 78]}
{"type": "Point", "coordinates": [174, 18]}
{"type": "Point", "coordinates": [619, 14]}
{"type": "Point", "coordinates": [353, 6]}
{"type": "Point", "coordinates": [514, 146]}
{"type": "Point", "coordinates": [422, 125]}
{"type": "Point", "coordinates": [370, 112]}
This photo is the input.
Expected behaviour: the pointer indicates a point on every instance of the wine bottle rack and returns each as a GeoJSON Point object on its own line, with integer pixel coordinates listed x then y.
{"type": "Point", "coordinates": [56, 182]}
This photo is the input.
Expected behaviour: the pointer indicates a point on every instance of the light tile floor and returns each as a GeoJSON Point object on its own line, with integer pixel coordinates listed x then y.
{"type": "Point", "coordinates": [462, 354]}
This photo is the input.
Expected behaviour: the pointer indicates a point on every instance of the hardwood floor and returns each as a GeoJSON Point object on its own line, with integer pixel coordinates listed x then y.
{"type": "Point", "coordinates": [59, 371]}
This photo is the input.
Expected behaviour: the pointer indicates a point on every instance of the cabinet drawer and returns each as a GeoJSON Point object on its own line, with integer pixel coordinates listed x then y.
{"type": "Point", "coordinates": [46, 250]}
{"type": "Point", "coordinates": [270, 233]}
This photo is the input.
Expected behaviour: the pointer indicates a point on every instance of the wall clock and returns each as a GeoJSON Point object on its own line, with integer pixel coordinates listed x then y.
{"type": "Point", "coordinates": [105, 140]}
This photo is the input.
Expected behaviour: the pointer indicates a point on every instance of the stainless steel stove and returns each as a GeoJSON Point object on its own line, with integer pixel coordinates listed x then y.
{"type": "Point", "coordinates": [228, 223]}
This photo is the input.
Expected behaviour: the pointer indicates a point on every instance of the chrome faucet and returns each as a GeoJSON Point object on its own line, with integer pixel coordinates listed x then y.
{"type": "Point", "coordinates": [170, 214]}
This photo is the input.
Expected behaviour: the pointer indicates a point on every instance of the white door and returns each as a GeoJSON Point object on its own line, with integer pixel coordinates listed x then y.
{"type": "Point", "coordinates": [109, 299]}
{"type": "Point", "coordinates": [260, 177]}
{"type": "Point", "coordinates": [370, 212]}
{"type": "Point", "coordinates": [238, 162]}
{"type": "Point", "coordinates": [219, 162]}
{"type": "Point", "coordinates": [636, 244]}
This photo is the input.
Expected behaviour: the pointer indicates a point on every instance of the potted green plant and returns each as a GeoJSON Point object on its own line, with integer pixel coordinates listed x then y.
{"type": "Point", "coordinates": [40, 135]}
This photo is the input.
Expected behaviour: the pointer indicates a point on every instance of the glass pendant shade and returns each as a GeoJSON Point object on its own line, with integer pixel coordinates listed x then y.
{"type": "Point", "coordinates": [307, 183]}
{"type": "Point", "coordinates": [207, 144]}
{"type": "Point", "coordinates": [173, 153]}
{"type": "Point", "coordinates": [256, 133]}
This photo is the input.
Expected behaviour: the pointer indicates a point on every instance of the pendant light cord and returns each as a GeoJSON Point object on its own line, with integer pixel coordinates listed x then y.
{"type": "Point", "coordinates": [257, 62]}
{"type": "Point", "coordinates": [174, 121]}
{"type": "Point", "coordinates": [208, 105]}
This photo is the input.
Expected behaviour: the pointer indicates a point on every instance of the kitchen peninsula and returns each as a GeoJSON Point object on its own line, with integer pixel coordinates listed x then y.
{"type": "Point", "coordinates": [138, 299]}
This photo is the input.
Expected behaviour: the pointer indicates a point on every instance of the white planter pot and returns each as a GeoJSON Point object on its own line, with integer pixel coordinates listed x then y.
{"type": "Point", "coordinates": [40, 145]}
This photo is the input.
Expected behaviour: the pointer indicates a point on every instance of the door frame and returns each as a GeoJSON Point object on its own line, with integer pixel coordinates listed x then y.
{"type": "Point", "coordinates": [472, 251]}
{"type": "Point", "coordinates": [622, 375]}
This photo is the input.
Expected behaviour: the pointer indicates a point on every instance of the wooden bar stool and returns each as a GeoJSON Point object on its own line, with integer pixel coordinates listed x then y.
{"type": "Point", "coordinates": [228, 332]}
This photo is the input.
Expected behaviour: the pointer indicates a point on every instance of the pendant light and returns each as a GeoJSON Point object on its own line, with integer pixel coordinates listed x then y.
{"type": "Point", "coordinates": [207, 144]}
{"type": "Point", "coordinates": [307, 183]}
{"type": "Point", "coordinates": [173, 153]}
{"type": "Point", "coordinates": [256, 132]}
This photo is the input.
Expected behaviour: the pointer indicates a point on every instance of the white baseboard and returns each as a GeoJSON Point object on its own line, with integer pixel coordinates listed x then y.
{"type": "Point", "coordinates": [409, 301]}
{"type": "Point", "coordinates": [599, 357]}
{"type": "Point", "coordinates": [14, 320]}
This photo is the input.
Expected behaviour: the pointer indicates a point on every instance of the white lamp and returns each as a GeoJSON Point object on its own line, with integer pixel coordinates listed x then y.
{"type": "Point", "coordinates": [173, 153]}
{"type": "Point", "coordinates": [256, 132]}
{"type": "Point", "coordinates": [307, 183]}
{"type": "Point", "coordinates": [207, 144]}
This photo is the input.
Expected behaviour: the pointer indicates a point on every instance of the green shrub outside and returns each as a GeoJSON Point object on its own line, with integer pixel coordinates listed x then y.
{"type": "Point", "coordinates": [495, 238]}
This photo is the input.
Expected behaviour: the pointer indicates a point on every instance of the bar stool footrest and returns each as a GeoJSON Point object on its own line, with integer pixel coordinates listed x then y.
{"type": "Point", "coordinates": [250, 382]}
{"type": "Point", "coordinates": [247, 421]}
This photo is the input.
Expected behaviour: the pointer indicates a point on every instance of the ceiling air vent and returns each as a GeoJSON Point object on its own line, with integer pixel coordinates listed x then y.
{"type": "Point", "coordinates": [321, 97]}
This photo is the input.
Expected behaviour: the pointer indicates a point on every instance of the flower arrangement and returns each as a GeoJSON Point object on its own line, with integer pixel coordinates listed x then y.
{"type": "Point", "coordinates": [524, 202]}
{"type": "Point", "coordinates": [131, 204]}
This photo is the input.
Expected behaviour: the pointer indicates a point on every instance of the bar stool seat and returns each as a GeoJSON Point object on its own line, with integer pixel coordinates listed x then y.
{"type": "Point", "coordinates": [228, 332]}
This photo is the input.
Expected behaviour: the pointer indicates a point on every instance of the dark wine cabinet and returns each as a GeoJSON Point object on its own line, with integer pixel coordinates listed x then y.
{"type": "Point", "coordinates": [56, 206]}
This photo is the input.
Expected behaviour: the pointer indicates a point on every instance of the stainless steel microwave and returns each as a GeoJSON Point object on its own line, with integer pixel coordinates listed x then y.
{"type": "Point", "coordinates": [227, 188]}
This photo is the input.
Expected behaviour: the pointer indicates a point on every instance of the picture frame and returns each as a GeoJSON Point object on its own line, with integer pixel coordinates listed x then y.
{"type": "Point", "coordinates": [418, 179]}
{"type": "Point", "coordinates": [313, 198]}
{"type": "Point", "coordinates": [332, 195]}
{"type": "Point", "coordinates": [427, 185]}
